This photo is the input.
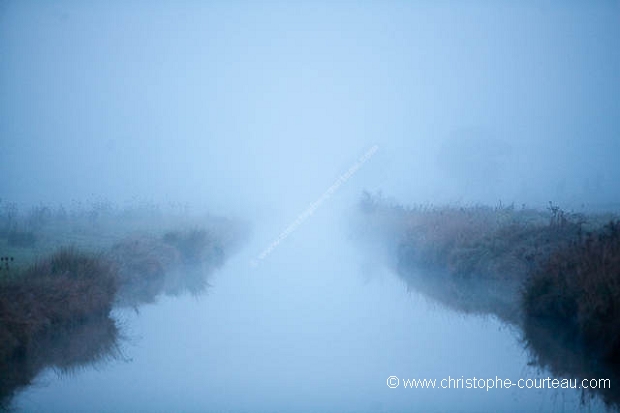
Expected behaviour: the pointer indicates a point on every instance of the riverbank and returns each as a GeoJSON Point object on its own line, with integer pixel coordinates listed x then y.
{"type": "Point", "coordinates": [75, 269]}
{"type": "Point", "coordinates": [68, 287]}
{"type": "Point", "coordinates": [522, 265]}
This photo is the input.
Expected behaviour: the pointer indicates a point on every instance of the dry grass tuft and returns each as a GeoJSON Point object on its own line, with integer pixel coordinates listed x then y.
{"type": "Point", "coordinates": [68, 287]}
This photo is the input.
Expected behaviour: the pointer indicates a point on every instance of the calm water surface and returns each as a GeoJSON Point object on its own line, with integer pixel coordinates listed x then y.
{"type": "Point", "coordinates": [314, 327]}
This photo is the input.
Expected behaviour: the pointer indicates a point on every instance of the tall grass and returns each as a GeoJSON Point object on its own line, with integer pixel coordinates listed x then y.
{"type": "Point", "coordinates": [522, 265]}
{"type": "Point", "coordinates": [68, 287]}
{"type": "Point", "coordinates": [55, 310]}
{"type": "Point", "coordinates": [580, 285]}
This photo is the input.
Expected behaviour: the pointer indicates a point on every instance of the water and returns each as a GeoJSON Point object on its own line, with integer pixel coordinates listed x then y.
{"type": "Point", "coordinates": [316, 326]}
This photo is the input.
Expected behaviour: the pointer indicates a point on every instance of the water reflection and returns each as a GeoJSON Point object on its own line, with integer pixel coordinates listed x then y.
{"type": "Point", "coordinates": [64, 348]}
{"type": "Point", "coordinates": [467, 294]}
{"type": "Point", "coordinates": [557, 348]}
{"type": "Point", "coordinates": [549, 345]}
{"type": "Point", "coordinates": [146, 268]}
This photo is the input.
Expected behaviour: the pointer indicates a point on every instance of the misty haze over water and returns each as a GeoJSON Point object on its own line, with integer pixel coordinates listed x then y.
{"type": "Point", "coordinates": [258, 111]}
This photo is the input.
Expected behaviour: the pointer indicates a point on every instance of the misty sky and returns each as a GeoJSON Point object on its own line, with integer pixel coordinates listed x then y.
{"type": "Point", "coordinates": [261, 106]}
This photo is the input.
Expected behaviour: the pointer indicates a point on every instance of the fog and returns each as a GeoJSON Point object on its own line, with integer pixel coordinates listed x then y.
{"type": "Point", "coordinates": [254, 110]}
{"type": "Point", "coordinates": [261, 106]}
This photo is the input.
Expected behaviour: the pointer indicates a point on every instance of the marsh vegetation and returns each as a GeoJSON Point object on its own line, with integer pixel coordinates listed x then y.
{"type": "Point", "coordinates": [55, 306]}
{"type": "Point", "coordinates": [553, 274]}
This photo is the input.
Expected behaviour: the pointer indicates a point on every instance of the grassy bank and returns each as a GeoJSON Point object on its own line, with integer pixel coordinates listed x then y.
{"type": "Point", "coordinates": [71, 286]}
{"type": "Point", "coordinates": [177, 262]}
{"type": "Point", "coordinates": [31, 233]}
{"type": "Point", "coordinates": [520, 264]}
{"type": "Point", "coordinates": [51, 294]}
{"type": "Point", "coordinates": [579, 285]}
{"type": "Point", "coordinates": [67, 287]}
